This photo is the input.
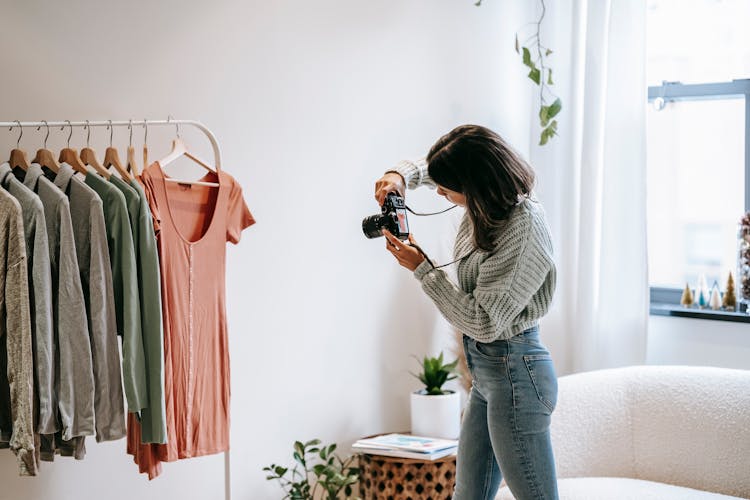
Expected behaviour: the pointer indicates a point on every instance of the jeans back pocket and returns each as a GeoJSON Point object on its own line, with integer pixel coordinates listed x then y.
{"type": "Point", "coordinates": [543, 376]}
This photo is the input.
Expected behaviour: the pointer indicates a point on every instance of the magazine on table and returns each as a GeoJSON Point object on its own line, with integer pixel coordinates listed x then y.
{"type": "Point", "coordinates": [404, 453]}
{"type": "Point", "coordinates": [407, 446]}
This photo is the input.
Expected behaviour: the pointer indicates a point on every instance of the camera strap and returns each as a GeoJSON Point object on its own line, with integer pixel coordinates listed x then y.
{"type": "Point", "coordinates": [433, 213]}
{"type": "Point", "coordinates": [432, 263]}
{"type": "Point", "coordinates": [422, 251]}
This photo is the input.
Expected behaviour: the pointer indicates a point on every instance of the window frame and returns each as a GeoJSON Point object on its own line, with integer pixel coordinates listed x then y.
{"type": "Point", "coordinates": [665, 301]}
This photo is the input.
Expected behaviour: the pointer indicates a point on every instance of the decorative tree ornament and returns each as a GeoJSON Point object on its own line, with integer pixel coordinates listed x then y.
{"type": "Point", "coordinates": [687, 296]}
{"type": "Point", "coordinates": [715, 300]}
{"type": "Point", "coordinates": [701, 292]}
{"type": "Point", "coordinates": [730, 298]}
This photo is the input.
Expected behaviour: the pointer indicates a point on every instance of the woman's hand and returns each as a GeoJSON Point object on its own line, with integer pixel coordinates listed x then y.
{"type": "Point", "coordinates": [391, 182]}
{"type": "Point", "coordinates": [407, 255]}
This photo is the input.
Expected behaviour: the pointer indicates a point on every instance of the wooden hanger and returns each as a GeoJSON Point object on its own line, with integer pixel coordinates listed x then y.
{"type": "Point", "coordinates": [145, 144]}
{"type": "Point", "coordinates": [88, 156]}
{"type": "Point", "coordinates": [70, 156]}
{"type": "Point", "coordinates": [18, 157]}
{"type": "Point", "coordinates": [44, 156]}
{"type": "Point", "coordinates": [131, 165]}
{"type": "Point", "coordinates": [112, 158]}
{"type": "Point", "coordinates": [179, 148]}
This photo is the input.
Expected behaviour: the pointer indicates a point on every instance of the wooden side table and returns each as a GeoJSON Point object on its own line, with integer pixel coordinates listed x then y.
{"type": "Point", "coordinates": [391, 478]}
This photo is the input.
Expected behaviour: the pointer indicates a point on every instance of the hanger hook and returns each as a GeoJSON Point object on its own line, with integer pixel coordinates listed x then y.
{"type": "Point", "coordinates": [20, 129]}
{"type": "Point", "coordinates": [130, 128]}
{"type": "Point", "coordinates": [88, 133]}
{"type": "Point", "coordinates": [145, 132]}
{"type": "Point", "coordinates": [71, 131]}
{"type": "Point", "coordinates": [177, 125]}
{"type": "Point", "coordinates": [111, 131]}
{"type": "Point", "coordinates": [46, 136]}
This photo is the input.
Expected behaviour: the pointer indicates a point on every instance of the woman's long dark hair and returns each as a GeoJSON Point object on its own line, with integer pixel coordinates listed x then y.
{"type": "Point", "coordinates": [478, 163]}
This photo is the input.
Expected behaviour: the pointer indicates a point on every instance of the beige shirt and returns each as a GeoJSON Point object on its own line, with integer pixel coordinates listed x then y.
{"type": "Point", "coordinates": [15, 330]}
{"type": "Point", "coordinates": [40, 300]}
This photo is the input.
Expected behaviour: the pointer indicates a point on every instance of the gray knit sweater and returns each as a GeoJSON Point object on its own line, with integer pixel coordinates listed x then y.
{"type": "Point", "coordinates": [499, 293]}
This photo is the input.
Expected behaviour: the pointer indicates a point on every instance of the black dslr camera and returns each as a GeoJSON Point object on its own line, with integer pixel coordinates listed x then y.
{"type": "Point", "coordinates": [392, 218]}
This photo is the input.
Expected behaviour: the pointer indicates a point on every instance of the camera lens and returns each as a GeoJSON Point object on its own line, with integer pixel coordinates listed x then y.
{"type": "Point", "coordinates": [373, 225]}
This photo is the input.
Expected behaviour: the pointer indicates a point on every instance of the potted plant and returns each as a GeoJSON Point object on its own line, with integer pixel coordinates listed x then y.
{"type": "Point", "coordinates": [436, 412]}
{"type": "Point", "coordinates": [317, 474]}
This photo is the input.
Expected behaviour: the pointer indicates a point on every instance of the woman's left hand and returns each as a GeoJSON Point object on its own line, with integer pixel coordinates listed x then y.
{"type": "Point", "coordinates": [407, 255]}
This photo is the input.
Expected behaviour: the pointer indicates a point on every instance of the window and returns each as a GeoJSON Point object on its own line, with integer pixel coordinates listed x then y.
{"type": "Point", "coordinates": [698, 154]}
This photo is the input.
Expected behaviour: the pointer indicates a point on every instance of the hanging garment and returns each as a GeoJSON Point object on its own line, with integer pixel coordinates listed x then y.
{"type": "Point", "coordinates": [74, 379]}
{"type": "Point", "coordinates": [125, 287]}
{"type": "Point", "coordinates": [40, 301]}
{"type": "Point", "coordinates": [152, 425]}
{"type": "Point", "coordinates": [193, 224]}
{"type": "Point", "coordinates": [90, 237]}
{"type": "Point", "coordinates": [16, 358]}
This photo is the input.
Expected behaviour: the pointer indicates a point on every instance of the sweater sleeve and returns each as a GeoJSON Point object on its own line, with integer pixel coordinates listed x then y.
{"type": "Point", "coordinates": [506, 282]}
{"type": "Point", "coordinates": [415, 173]}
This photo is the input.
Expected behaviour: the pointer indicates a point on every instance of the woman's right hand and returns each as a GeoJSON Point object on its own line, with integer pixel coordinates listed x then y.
{"type": "Point", "coordinates": [391, 182]}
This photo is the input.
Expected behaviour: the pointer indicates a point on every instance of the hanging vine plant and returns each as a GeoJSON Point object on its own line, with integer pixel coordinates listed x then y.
{"type": "Point", "coordinates": [533, 55]}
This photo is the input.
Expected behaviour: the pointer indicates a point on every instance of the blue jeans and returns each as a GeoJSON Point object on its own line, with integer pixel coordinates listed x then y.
{"type": "Point", "coordinates": [505, 428]}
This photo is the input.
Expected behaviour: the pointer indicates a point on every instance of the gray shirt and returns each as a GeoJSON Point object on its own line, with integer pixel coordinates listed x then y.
{"type": "Point", "coordinates": [74, 380]}
{"type": "Point", "coordinates": [40, 300]}
{"type": "Point", "coordinates": [90, 236]}
{"type": "Point", "coordinates": [15, 334]}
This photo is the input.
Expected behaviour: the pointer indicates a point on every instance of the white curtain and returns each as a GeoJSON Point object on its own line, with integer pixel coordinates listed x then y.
{"type": "Point", "coordinates": [592, 179]}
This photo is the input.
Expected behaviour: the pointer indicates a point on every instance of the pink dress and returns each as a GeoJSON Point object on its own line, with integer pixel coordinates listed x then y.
{"type": "Point", "coordinates": [193, 223]}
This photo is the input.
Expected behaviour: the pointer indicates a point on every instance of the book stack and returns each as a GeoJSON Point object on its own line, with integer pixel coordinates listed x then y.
{"type": "Point", "coordinates": [406, 446]}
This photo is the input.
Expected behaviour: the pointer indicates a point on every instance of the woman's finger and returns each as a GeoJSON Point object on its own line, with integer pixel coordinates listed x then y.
{"type": "Point", "coordinates": [389, 236]}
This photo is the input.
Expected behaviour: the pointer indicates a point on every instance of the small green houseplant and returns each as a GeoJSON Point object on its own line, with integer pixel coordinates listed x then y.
{"type": "Point", "coordinates": [435, 372]}
{"type": "Point", "coordinates": [317, 473]}
{"type": "Point", "coordinates": [436, 412]}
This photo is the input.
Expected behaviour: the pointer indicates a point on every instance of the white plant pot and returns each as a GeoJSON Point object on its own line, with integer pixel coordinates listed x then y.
{"type": "Point", "coordinates": [436, 416]}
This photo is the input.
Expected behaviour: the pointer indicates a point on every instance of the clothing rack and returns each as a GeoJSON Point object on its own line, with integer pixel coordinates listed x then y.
{"type": "Point", "coordinates": [145, 124]}
{"type": "Point", "coordinates": [123, 123]}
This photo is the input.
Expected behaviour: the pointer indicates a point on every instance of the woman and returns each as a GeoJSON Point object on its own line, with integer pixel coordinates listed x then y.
{"type": "Point", "coordinates": [506, 278]}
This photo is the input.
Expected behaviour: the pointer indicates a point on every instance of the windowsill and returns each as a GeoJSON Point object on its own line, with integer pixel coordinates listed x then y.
{"type": "Point", "coordinates": [663, 309]}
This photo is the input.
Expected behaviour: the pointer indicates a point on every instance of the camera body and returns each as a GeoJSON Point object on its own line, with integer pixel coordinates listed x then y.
{"type": "Point", "coordinates": [392, 218]}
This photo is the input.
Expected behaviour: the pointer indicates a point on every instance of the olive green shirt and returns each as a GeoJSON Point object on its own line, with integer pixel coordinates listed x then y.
{"type": "Point", "coordinates": [125, 287]}
{"type": "Point", "coordinates": [153, 417]}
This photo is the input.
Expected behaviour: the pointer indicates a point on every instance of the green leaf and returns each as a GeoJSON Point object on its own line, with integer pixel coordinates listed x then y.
{"type": "Point", "coordinates": [517, 46]}
{"type": "Point", "coordinates": [299, 447]}
{"type": "Point", "coordinates": [548, 132]}
{"type": "Point", "coordinates": [312, 443]}
{"type": "Point", "coordinates": [549, 77]}
{"type": "Point", "coordinates": [298, 458]}
{"type": "Point", "coordinates": [555, 108]}
{"type": "Point", "coordinates": [544, 115]}
{"type": "Point", "coordinates": [527, 58]}
{"type": "Point", "coordinates": [535, 75]}
{"type": "Point", "coordinates": [548, 52]}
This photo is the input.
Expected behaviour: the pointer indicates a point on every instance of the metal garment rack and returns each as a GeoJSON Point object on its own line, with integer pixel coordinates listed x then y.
{"type": "Point", "coordinates": [123, 123]}
{"type": "Point", "coordinates": [145, 124]}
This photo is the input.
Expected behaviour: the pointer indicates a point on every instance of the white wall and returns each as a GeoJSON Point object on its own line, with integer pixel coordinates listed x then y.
{"type": "Point", "coordinates": [311, 101]}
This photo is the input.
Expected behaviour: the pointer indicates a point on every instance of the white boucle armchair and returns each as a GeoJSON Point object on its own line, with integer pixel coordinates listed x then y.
{"type": "Point", "coordinates": [652, 432]}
